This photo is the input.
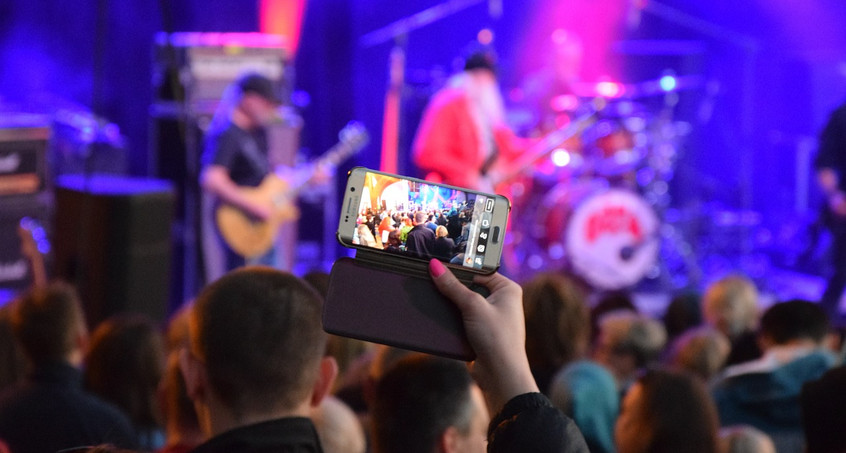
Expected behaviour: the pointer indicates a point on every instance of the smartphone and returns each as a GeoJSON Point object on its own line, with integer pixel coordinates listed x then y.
{"type": "Point", "coordinates": [386, 213]}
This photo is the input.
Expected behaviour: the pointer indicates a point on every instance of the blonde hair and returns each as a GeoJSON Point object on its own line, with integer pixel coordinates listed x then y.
{"type": "Point", "coordinates": [441, 231]}
{"type": "Point", "coordinates": [731, 305]}
{"type": "Point", "coordinates": [701, 351]}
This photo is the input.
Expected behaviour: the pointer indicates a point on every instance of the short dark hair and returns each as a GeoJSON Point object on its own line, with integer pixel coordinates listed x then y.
{"type": "Point", "coordinates": [416, 400]}
{"type": "Point", "coordinates": [258, 332]}
{"type": "Point", "coordinates": [419, 217]}
{"type": "Point", "coordinates": [557, 320]}
{"type": "Point", "coordinates": [678, 413]}
{"type": "Point", "coordinates": [124, 365]}
{"type": "Point", "coordinates": [46, 321]}
{"type": "Point", "coordinates": [794, 319]}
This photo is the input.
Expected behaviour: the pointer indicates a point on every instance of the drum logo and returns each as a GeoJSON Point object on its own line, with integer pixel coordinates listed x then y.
{"type": "Point", "coordinates": [612, 220]}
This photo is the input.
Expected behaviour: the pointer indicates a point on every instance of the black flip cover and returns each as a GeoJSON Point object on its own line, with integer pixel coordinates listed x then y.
{"type": "Point", "coordinates": [396, 307]}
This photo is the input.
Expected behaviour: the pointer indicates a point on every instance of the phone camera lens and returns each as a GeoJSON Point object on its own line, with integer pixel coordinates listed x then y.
{"type": "Point", "coordinates": [352, 189]}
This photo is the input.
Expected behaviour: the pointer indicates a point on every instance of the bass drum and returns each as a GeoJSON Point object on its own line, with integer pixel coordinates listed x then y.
{"type": "Point", "coordinates": [610, 237]}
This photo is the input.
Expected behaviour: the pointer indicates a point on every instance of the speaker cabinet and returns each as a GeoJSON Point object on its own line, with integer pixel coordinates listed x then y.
{"type": "Point", "coordinates": [112, 239]}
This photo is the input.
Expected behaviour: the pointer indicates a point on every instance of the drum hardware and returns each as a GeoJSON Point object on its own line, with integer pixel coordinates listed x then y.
{"type": "Point", "coordinates": [624, 151]}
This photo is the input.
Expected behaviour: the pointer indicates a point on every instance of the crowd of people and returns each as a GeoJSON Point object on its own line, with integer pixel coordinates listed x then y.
{"type": "Point", "coordinates": [433, 233]}
{"type": "Point", "coordinates": [247, 367]}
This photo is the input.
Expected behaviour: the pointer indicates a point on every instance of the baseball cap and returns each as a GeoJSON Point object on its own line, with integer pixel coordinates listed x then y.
{"type": "Point", "coordinates": [260, 85]}
{"type": "Point", "coordinates": [480, 57]}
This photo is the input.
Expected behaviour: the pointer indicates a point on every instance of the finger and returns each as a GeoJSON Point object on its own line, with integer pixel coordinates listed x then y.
{"type": "Point", "coordinates": [449, 286]}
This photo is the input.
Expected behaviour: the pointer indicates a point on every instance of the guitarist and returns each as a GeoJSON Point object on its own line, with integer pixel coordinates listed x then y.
{"type": "Point", "coordinates": [831, 175]}
{"type": "Point", "coordinates": [235, 157]}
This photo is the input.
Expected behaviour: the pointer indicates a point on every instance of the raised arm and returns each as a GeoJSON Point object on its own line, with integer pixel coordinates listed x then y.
{"type": "Point", "coordinates": [525, 420]}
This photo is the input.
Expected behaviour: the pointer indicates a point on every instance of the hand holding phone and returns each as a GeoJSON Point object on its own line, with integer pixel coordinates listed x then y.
{"type": "Point", "coordinates": [496, 331]}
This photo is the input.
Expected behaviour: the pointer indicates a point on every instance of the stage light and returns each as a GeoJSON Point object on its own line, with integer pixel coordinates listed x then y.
{"type": "Point", "coordinates": [609, 89]}
{"type": "Point", "coordinates": [556, 251]}
{"type": "Point", "coordinates": [485, 36]}
{"type": "Point", "coordinates": [561, 157]}
{"type": "Point", "coordinates": [667, 83]}
{"type": "Point", "coordinates": [564, 103]}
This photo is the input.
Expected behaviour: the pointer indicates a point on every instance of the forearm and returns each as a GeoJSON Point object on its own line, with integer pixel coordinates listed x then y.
{"type": "Point", "coordinates": [215, 181]}
{"type": "Point", "coordinates": [506, 382]}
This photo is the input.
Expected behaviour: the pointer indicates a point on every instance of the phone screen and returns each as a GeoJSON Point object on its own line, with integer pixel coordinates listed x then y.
{"type": "Point", "coordinates": [425, 220]}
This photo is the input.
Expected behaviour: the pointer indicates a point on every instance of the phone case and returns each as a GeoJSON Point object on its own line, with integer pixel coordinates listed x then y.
{"type": "Point", "coordinates": [393, 302]}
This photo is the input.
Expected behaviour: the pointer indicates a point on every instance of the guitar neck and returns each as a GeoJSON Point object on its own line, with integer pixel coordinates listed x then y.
{"type": "Point", "coordinates": [546, 145]}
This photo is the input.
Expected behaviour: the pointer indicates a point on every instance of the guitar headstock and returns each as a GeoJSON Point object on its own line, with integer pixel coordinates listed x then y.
{"type": "Point", "coordinates": [352, 138]}
{"type": "Point", "coordinates": [354, 135]}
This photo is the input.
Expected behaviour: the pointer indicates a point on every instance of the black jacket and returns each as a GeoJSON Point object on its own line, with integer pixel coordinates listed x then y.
{"type": "Point", "coordinates": [51, 412]}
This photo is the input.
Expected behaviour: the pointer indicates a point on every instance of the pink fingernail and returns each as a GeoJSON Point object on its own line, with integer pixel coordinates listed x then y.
{"type": "Point", "coordinates": [436, 268]}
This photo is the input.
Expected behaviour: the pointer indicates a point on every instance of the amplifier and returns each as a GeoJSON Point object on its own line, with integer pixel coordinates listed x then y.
{"type": "Point", "coordinates": [202, 65]}
{"type": "Point", "coordinates": [23, 165]}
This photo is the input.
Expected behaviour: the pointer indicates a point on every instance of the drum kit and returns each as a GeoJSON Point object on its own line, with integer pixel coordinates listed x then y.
{"type": "Point", "coordinates": [596, 205]}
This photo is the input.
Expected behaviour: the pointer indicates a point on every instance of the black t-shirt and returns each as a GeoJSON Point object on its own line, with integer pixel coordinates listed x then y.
{"type": "Point", "coordinates": [832, 152]}
{"type": "Point", "coordinates": [244, 153]}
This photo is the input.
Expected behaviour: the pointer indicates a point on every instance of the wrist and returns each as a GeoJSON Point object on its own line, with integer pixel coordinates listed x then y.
{"type": "Point", "coordinates": [509, 381]}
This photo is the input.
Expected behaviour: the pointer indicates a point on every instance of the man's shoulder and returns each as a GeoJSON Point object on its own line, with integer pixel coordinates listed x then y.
{"type": "Point", "coordinates": [73, 416]}
{"type": "Point", "coordinates": [450, 97]}
{"type": "Point", "coordinates": [286, 435]}
{"type": "Point", "coordinates": [767, 373]}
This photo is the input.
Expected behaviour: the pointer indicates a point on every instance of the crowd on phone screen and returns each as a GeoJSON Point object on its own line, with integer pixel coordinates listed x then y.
{"type": "Point", "coordinates": [433, 233]}
{"type": "Point", "coordinates": [247, 366]}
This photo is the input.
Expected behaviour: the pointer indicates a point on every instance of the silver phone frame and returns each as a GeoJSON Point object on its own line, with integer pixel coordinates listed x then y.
{"type": "Point", "coordinates": [352, 200]}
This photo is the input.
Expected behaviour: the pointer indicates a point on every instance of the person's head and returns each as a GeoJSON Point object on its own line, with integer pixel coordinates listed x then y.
{"type": "Point", "coordinates": [179, 418]}
{"type": "Point", "coordinates": [177, 335]}
{"type": "Point", "coordinates": [257, 348]}
{"type": "Point", "coordinates": [701, 351]}
{"type": "Point", "coordinates": [441, 231]}
{"type": "Point", "coordinates": [124, 364]}
{"type": "Point", "coordinates": [683, 313]}
{"type": "Point", "coordinates": [319, 280]}
{"type": "Point", "coordinates": [365, 236]}
{"type": "Point", "coordinates": [628, 342]}
{"type": "Point", "coordinates": [608, 302]}
{"type": "Point", "coordinates": [259, 99]}
{"type": "Point", "coordinates": [793, 321]}
{"type": "Point", "coordinates": [425, 404]}
{"type": "Point", "coordinates": [745, 439]}
{"type": "Point", "coordinates": [49, 324]}
{"type": "Point", "coordinates": [557, 320]}
{"type": "Point", "coordinates": [419, 218]}
{"type": "Point", "coordinates": [480, 58]}
{"type": "Point", "coordinates": [338, 427]}
{"type": "Point", "coordinates": [731, 305]}
{"type": "Point", "coordinates": [394, 238]}
{"type": "Point", "coordinates": [667, 412]}
{"type": "Point", "coordinates": [587, 393]}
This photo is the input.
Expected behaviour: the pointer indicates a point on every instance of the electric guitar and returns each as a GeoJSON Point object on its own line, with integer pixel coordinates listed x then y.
{"type": "Point", "coordinates": [250, 237]}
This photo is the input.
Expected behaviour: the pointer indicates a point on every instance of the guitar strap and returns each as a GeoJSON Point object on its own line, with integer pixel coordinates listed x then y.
{"type": "Point", "coordinates": [489, 162]}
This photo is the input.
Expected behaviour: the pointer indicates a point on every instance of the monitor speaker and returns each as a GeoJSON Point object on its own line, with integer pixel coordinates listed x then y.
{"type": "Point", "coordinates": [112, 239]}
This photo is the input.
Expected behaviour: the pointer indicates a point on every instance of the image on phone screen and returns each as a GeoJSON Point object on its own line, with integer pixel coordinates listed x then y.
{"type": "Point", "coordinates": [423, 220]}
